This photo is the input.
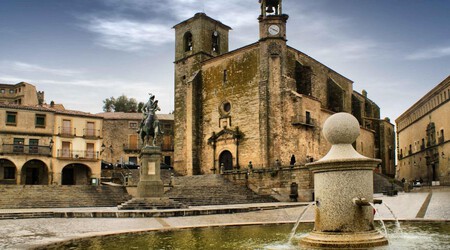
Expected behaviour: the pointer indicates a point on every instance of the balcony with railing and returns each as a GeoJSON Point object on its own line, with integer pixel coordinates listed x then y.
{"type": "Point", "coordinates": [303, 120]}
{"type": "Point", "coordinates": [21, 149]}
{"type": "Point", "coordinates": [67, 131]}
{"type": "Point", "coordinates": [132, 147]}
{"type": "Point", "coordinates": [91, 133]}
{"type": "Point", "coordinates": [78, 154]}
{"type": "Point", "coordinates": [167, 147]}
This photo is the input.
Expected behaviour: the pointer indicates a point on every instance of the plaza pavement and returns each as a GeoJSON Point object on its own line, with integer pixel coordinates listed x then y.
{"type": "Point", "coordinates": [421, 204]}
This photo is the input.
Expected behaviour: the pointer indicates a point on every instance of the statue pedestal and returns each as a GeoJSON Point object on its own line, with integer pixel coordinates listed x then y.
{"type": "Point", "coordinates": [150, 184]}
{"type": "Point", "coordinates": [150, 189]}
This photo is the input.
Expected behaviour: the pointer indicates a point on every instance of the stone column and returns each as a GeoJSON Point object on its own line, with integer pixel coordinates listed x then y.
{"type": "Point", "coordinates": [150, 184]}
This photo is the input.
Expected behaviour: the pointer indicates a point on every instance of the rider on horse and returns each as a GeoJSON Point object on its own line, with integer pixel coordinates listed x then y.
{"type": "Point", "coordinates": [149, 124]}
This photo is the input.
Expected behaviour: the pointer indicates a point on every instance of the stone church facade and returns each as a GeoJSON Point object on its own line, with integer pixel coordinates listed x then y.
{"type": "Point", "coordinates": [262, 103]}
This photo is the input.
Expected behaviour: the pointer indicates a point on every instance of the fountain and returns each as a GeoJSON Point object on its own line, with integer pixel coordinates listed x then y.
{"type": "Point", "coordinates": [343, 209]}
{"type": "Point", "coordinates": [343, 191]}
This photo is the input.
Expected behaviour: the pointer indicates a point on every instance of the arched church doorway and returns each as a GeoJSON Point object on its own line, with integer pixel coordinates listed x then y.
{"type": "Point", "coordinates": [34, 172]}
{"type": "Point", "coordinates": [226, 160]}
{"type": "Point", "coordinates": [76, 174]}
{"type": "Point", "coordinates": [8, 169]}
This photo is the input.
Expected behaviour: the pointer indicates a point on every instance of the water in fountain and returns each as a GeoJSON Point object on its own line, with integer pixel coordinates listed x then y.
{"type": "Point", "coordinates": [397, 223]}
{"type": "Point", "coordinates": [381, 220]}
{"type": "Point", "coordinates": [416, 235]}
{"type": "Point", "coordinates": [291, 235]}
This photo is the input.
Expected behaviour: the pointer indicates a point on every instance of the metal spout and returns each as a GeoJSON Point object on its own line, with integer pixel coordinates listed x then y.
{"type": "Point", "coordinates": [361, 202]}
{"type": "Point", "coordinates": [377, 201]}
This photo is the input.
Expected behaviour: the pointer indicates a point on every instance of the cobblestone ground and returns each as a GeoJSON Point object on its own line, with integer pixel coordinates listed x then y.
{"type": "Point", "coordinates": [26, 233]}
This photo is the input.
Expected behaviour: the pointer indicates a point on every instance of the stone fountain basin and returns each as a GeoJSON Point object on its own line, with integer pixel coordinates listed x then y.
{"type": "Point", "coordinates": [415, 235]}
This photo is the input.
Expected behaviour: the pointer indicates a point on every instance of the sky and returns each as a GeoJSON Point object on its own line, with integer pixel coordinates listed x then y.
{"type": "Point", "coordinates": [80, 52]}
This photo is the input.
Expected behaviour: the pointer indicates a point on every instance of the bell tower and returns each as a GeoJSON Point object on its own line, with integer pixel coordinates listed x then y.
{"type": "Point", "coordinates": [272, 72]}
{"type": "Point", "coordinates": [272, 21]}
{"type": "Point", "coordinates": [196, 39]}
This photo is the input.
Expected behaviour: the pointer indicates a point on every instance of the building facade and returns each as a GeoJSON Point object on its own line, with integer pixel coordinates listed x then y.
{"type": "Point", "coordinates": [423, 146]}
{"type": "Point", "coordinates": [21, 93]}
{"type": "Point", "coordinates": [262, 103]}
{"type": "Point", "coordinates": [122, 144]}
{"type": "Point", "coordinates": [42, 146]}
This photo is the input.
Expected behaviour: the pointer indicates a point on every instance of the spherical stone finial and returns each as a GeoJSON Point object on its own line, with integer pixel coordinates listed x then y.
{"type": "Point", "coordinates": [341, 128]}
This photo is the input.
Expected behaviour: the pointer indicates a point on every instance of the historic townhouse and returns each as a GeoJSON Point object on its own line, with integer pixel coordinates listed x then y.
{"type": "Point", "coordinates": [122, 142]}
{"type": "Point", "coordinates": [423, 140]}
{"type": "Point", "coordinates": [77, 146]}
{"type": "Point", "coordinates": [21, 93]}
{"type": "Point", "coordinates": [41, 145]}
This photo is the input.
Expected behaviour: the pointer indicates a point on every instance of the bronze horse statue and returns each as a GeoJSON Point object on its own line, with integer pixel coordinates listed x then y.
{"type": "Point", "coordinates": [150, 123]}
{"type": "Point", "coordinates": [150, 128]}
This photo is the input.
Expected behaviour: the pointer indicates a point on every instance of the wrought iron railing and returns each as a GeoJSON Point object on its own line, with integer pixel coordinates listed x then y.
{"type": "Point", "coordinates": [87, 132]}
{"type": "Point", "coordinates": [167, 147]}
{"type": "Point", "coordinates": [26, 149]}
{"type": "Point", "coordinates": [78, 154]}
{"type": "Point", "coordinates": [67, 131]}
{"type": "Point", "coordinates": [132, 146]}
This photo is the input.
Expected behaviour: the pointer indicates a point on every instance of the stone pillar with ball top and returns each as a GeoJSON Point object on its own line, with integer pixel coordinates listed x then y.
{"type": "Point", "coordinates": [343, 186]}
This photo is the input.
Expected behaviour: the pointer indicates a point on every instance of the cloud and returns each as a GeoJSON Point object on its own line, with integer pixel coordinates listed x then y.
{"type": "Point", "coordinates": [331, 37]}
{"type": "Point", "coordinates": [430, 53]}
{"type": "Point", "coordinates": [347, 50]}
{"type": "Point", "coordinates": [152, 20]}
{"type": "Point", "coordinates": [128, 35]}
{"type": "Point", "coordinates": [26, 67]}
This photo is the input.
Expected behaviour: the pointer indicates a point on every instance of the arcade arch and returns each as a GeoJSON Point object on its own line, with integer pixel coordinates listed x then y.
{"type": "Point", "coordinates": [76, 174]}
{"type": "Point", "coordinates": [8, 172]}
{"type": "Point", "coordinates": [34, 172]}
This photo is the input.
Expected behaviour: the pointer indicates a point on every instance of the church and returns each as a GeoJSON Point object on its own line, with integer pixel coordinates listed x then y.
{"type": "Point", "coordinates": [261, 104]}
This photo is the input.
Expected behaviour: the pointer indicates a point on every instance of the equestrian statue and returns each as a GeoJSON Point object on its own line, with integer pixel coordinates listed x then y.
{"type": "Point", "coordinates": [150, 124]}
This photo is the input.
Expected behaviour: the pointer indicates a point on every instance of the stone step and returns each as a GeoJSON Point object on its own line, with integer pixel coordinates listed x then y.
{"type": "Point", "coordinates": [212, 190]}
{"type": "Point", "coordinates": [42, 196]}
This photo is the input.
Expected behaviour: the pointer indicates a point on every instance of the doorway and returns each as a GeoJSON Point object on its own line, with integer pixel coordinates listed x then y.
{"type": "Point", "coordinates": [226, 160]}
{"type": "Point", "coordinates": [32, 176]}
{"type": "Point", "coordinates": [68, 176]}
{"type": "Point", "coordinates": [76, 174]}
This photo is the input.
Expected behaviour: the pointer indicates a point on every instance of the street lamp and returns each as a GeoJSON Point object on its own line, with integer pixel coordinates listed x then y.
{"type": "Point", "coordinates": [103, 147]}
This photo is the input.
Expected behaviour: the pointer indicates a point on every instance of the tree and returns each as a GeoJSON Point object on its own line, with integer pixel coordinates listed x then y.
{"type": "Point", "coordinates": [121, 104]}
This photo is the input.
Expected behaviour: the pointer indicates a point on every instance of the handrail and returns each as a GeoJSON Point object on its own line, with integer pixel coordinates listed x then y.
{"type": "Point", "coordinates": [78, 154]}
{"type": "Point", "coordinates": [27, 149]}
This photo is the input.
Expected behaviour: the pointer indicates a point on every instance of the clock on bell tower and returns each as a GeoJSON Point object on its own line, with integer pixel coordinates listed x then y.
{"type": "Point", "coordinates": [272, 22]}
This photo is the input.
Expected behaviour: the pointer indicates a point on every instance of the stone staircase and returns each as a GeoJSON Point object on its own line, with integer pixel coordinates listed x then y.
{"type": "Point", "coordinates": [382, 183]}
{"type": "Point", "coordinates": [150, 203]}
{"type": "Point", "coordinates": [203, 190]}
{"type": "Point", "coordinates": [43, 196]}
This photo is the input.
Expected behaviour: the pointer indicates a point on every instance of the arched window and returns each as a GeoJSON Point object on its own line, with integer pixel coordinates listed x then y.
{"type": "Point", "coordinates": [215, 42]}
{"type": "Point", "coordinates": [188, 41]}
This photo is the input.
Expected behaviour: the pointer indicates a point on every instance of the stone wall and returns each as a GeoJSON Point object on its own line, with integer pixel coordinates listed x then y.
{"type": "Point", "coordinates": [276, 181]}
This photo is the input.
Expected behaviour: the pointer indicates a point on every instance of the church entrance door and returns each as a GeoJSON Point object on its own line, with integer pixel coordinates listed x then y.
{"type": "Point", "coordinates": [226, 160]}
